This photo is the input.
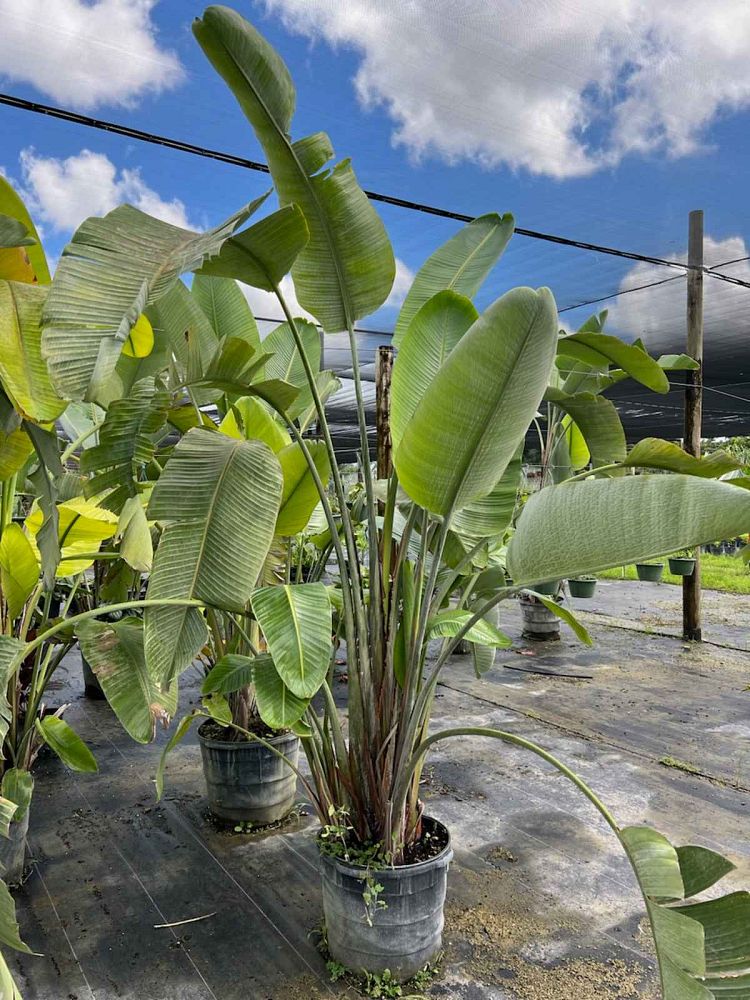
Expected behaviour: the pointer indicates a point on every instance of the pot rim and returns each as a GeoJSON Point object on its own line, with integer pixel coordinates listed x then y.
{"type": "Point", "coordinates": [354, 869]}
{"type": "Point", "coordinates": [652, 564]}
{"type": "Point", "coordinates": [215, 744]}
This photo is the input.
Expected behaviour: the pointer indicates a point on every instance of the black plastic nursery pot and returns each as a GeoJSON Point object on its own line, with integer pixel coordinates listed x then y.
{"type": "Point", "coordinates": [539, 623]}
{"type": "Point", "coordinates": [682, 566]}
{"type": "Point", "coordinates": [13, 851]}
{"type": "Point", "coordinates": [404, 935]}
{"type": "Point", "coordinates": [246, 781]}
{"type": "Point", "coordinates": [91, 686]}
{"type": "Point", "coordinates": [649, 572]}
{"type": "Point", "coordinates": [581, 588]}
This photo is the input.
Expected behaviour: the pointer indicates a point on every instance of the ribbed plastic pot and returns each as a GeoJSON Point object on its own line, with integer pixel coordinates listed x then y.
{"type": "Point", "coordinates": [91, 686]}
{"type": "Point", "coordinates": [13, 851]}
{"type": "Point", "coordinates": [682, 566]}
{"type": "Point", "coordinates": [581, 588]}
{"type": "Point", "coordinates": [649, 572]}
{"type": "Point", "coordinates": [539, 623]}
{"type": "Point", "coordinates": [405, 935]}
{"type": "Point", "coordinates": [549, 589]}
{"type": "Point", "coordinates": [246, 781]}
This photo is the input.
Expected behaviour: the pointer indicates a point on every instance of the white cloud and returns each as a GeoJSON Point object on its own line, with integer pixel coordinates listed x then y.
{"type": "Point", "coordinates": [84, 53]}
{"type": "Point", "coordinates": [63, 192]}
{"type": "Point", "coordinates": [554, 88]}
{"type": "Point", "coordinates": [266, 304]}
{"type": "Point", "coordinates": [658, 314]}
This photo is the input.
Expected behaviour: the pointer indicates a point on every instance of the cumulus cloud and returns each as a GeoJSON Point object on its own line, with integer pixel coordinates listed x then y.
{"type": "Point", "coordinates": [657, 314]}
{"type": "Point", "coordinates": [63, 192]}
{"type": "Point", "coordinates": [553, 88]}
{"type": "Point", "coordinates": [84, 53]}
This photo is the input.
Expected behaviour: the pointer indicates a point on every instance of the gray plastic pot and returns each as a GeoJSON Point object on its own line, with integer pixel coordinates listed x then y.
{"type": "Point", "coordinates": [581, 588]}
{"type": "Point", "coordinates": [682, 565]}
{"type": "Point", "coordinates": [539, 623]}
{"type": "Point", "coordinates": [13, 851]}
{"type": "Point", "coordinates": [406, 934]}
{"type": "Point", "coordinates": [247, 782]}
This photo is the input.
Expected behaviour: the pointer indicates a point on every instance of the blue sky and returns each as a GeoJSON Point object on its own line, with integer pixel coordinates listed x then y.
{"type": "Point", "coordinates": [603, 120]}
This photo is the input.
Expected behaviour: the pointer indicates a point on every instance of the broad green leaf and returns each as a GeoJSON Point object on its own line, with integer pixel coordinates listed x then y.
{"type": "Point", "coordinates": [296, 623]}
{"type": "Point", "coordinates": [218, 708]}
{"type": "Point", "coordinates": [653, 453]}
{"type": "Point", "coordinates": [136, 544]}
{"type": "Point", "coordinates": [489, 516]}
{"type": "Point", "coordinates": [564, 614]}
{"type": "Point", "coordinates": [12, 205]}
{"type": "Point", "coordinates": [9, 933]}
{"type": "Point", "coordinates": [679, 940]}
{"type": "Point", "coordinates": [11, 650]}
{"type": "Point", "coordinates": [15, 451]}
{"type": "Point", "coordinates": [19, 568]}
{"type": "Point", "coordinates": [110, 271]}
{"type": "Point", "coordinates": [346, 270]}
{"type": "Point", "coordinates": [585, 527]}
{"type": "Point", "coordinates": [251, 419]}
{"type": "Point", "coordinates": [193, 342]}
{"type": "Point", "coordinates": [602, 350]}
{"type": "Point", "coordinates": [701, 868]}
{"type": "Point", "coordinates": [226, 307]}
{"type": "Point", "coordinates": [23, 372]}
{"type": "Point", "coordinates": [327, 385]}
{"type": "Point", "coordinates": [66, 743]}
{"type": "Point", "coordinates": [18, 787]}
{"type": "Point", "coordinates": [726, 925]}
{"type": "Point", "coordinates": [261, 255]}
{"type": "Point", "coordinates": [279, 707]}
{"type": "Point", "coordinates": [126, 444]}
{"type": "Point", "coordinates": [230, 674]}
{"type": "Point", "coordinates": [450, 623]}
{"type": "Point", "coordinates": [8, 988]}
{"type": "Point", "coordinates": [115, 653]}
{"type": "Point", "coordinates": [286, 361]}
{"type": "Point", "coordinates": [177, 737]}
{"type": "Point", "coordinates": [42, 478]}
{"type": "Point", "coordinates": [431, 336]}
{"type": "Point", "coordinates": [219, 499]}
{"type": "Point", "coordinates": [7, 812]}
{"type": "Point", "coordinates": [473, 415]}
{"type": "Point", "coordinates": [598, 421]}
{"type": "Point", "coordinates": [13, 234]}
{"type": "Point", "coordinates": [677, 362]}
{"type": "Point", "coordinates": [300, 495]}
{"type": "Point", "coordinates": [460, 265]}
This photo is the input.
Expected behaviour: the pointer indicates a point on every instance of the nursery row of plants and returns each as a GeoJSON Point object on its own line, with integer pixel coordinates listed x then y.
{"type": "Point", "coordinates": [171, 493]}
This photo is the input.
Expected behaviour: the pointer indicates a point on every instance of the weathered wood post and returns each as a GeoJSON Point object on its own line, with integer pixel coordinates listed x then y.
{"type": "Point", "coordinates": [383, 371]}
{"type": "Point", "coordinates": [691, 585]}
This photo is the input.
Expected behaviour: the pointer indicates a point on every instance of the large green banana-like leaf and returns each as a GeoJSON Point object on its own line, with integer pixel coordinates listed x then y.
{"type": "Point", "coordinates": [489, 516]}
{"type": "Point", "coordinates": [296, 622]}
{"type": "Point", "coordinates": [15, 450]}
{"type": "Point", "coordinates": [9, 933]}
{"type": "Point", "coordinates": [219, 498]}
{"type": "Point", "coordinates": [23, 372]}
{"type": "Point", "coordinates": [19, 568]}
{"type": "Point", "coordinates": [193, 342]}
{"type": "Point", "coordinates": [653, 453]}
{"type": "Point", "coordinates": [12, 205]}
{"type": "Point", "coordinates": [300, 495]}
{"type": "Point", "coordinates": [701, 947]}
{"type": "Point", "coordinates": [110, 271]}
{"type": "Point", "coordinates": [286, 361]}
{"type": "Point", "coordinates": [134, 533]}
{"type": "Point", "coordinates": [467, 426]}
{"type": "Point", "coordinates": [115, 653]}
{"type": "Point", "coordinates": [13, 233]}
{"type": "Point", "coordinates": [461, 265]}
{"type": "Point", "coordinates": [483, 632]}
{"type": "Point", "coordinates": [264, 253]}
{"type": "Point", "coordinates": [230, 674]}
{"type": "Point", "coordinates": [600, 350]}
{"type": "Point", "coordinates": [598, 421]}
{"type": "Point", "coordinates": [10, 650]}
{"type": "Point", "coordinates": [126, 443]}
{"type": "Point", "coordinates": [249, 418]}
{"type": "Point", "coordinates": [279, 707]}
{"type": "Point", "coordinates": [585, 527]}
{"type": "Point", "coordinates": [431, 336]}
{"type": "Point", "coordinates": [66, 743]}
{"type": "Point", "coordinates": [346, 270]}
{"type": "Point", "coordinates": [226, 307]}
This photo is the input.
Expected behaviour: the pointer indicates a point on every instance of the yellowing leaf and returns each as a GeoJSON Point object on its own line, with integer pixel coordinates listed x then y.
{"type": "Point", "coordinates": [140, 340]}
{"type": "Point", "coordinates": [82, 529]}
{"type": "Point", "coordinates": [19, 568]}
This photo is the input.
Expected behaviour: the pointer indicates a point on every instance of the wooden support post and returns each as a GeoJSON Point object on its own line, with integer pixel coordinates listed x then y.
{"type": "Point", "coordinates": [383, 371]}
{"type": "Point", "coordinates": [691, 585]}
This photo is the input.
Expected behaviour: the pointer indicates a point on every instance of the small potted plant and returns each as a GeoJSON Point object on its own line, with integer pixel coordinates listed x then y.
{"type": "Point", "coordinates": [649, 572]}
{"type": "Point", "coordinates": [582, 586]}
{"type": "Point", "coordinates": [682, 563]}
